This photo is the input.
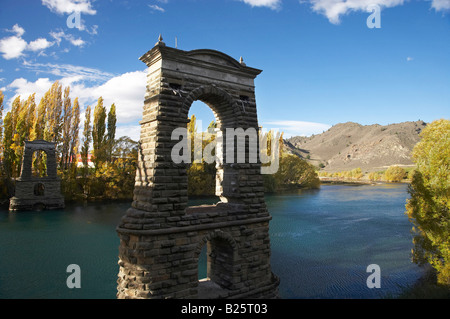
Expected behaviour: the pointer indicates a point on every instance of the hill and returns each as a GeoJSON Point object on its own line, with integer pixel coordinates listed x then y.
{"type": "Point", "coordinates": [346, 146]}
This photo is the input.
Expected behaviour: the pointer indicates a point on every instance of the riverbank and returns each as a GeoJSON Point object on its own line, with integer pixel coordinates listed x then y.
{"type": "Point", "coordinates": [350, 181]}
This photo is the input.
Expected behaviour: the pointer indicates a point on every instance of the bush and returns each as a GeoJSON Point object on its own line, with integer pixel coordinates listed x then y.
{"type": "Point", "coordinates": [374, 176]}
{"type": "Point", "coordinates": [394, 174]}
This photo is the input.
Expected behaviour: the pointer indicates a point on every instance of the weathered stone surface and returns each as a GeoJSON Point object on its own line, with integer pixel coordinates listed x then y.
{"type": "Point", "coordinates": [161, 238]}
{"type": "Point", "coordinates": [33, 192]}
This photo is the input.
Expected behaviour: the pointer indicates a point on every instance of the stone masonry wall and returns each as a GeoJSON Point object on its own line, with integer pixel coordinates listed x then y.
{"type": "Point", "coordinates": [160, 236]}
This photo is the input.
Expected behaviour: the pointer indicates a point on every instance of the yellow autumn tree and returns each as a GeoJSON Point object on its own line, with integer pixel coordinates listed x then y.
{"type": "Point", "coordinates": [429, 206]}
{"type": "Point", "coordinates": [394, 174]}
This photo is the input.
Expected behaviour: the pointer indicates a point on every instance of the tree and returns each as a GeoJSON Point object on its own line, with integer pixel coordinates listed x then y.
{"type": "Point", "coordinates": [294, 171]}
{"type": "Point", "coordinates": [74, 139]}
{"type": "Point", "coordinates": [394, 174]}
{"type": "Point", "coordinates": [1, 117]}
{"type": "Point", "coordinates": [86, 140]}
{"type": "Point", "coordinates": [98, 133]}
{"type": "Point", "coordinates": [66, 130]}
{"type": "Point", "coordinates": [53, 123]}
{"type": "Point", "coordinates": [111, 135]}
{"type": "Point", "coordinates": [126, 148]}
{"type": "Point", "coordinates": [429, 206]}
{"type": "Point", "coordinates": [39, 123]}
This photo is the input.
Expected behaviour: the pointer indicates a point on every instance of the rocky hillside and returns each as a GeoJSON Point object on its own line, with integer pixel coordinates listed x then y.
{"type": "Point", "coordinates": [350, 145]}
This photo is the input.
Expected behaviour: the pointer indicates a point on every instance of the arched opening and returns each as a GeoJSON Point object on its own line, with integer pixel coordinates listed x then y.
{"type": "Point", "coordinates": [39, 189]}
{"type": "Point", "coordinates": [228, 115]}
{"type": "Point", "coordinates": [39, 164]}
{"type": "Point", "coordinates": [215, 268]}
{"type": "Point", "coordinates": [202, 169]}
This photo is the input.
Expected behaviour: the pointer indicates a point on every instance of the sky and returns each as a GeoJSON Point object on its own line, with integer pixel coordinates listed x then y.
{"type": "Point", "coordinates": [324, 62]}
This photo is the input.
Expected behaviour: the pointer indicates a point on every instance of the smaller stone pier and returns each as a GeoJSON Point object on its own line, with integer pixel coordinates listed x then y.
{"type": "Point", "coordinates": [36, 192]}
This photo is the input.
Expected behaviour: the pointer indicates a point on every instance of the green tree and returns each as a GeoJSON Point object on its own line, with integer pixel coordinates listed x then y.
{"type": "Point", "coordinates": [1, 118]}
{"type": "Point", "coordinates": [66, 130]}
{"type": "Point", "coordinates": [98, 133]}
{"type": "Point", "coordinates": [429, 206]}
{"type": "Point", "coordinates": [86, 140]}
{"type": "Point", "coordinates": [111, 135]}
{"type": "Point", "coordinates": [74, 138]}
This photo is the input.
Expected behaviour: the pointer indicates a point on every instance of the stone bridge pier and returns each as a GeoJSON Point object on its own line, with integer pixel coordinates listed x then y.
{"type": "Point", "coordinates": [37, 192]}
{"type": "Point", "coordinates": [161, 238]}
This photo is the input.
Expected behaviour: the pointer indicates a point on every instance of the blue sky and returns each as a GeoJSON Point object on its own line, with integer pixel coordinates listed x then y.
{"type": "Point", "coordinates": [321, 63]}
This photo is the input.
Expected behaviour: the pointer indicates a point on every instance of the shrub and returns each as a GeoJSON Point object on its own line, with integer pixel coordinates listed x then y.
{"type": "Point", "coordinates": [394, 174]}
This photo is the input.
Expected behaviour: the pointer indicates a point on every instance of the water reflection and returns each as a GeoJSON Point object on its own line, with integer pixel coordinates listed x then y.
{"type": "Point", "coordinates": [322, 241]}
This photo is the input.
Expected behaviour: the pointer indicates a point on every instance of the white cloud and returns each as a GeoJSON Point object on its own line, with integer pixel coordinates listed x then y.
{"type": "Point", "coordinates": [24, 88]}
{"type": "Point", "coordinates": [272, 4]}
{"type": "Point", "coordinates": [409, 59]}
{"type": "Point", "coordinates": [440, 5]}
{"type": "Point", "coordinates": [77, 42]}
{"type": "Point", "coordinates": [39, 44]}
{"type": "Point", "coordinates": [12, 47]}
{"type": "Point", "coordinates": [69, 71]}
{"type": "Point", "coordinates": [60, 35]}
{"type": "Point", "coordinates": [132, 131]}
{"type": "Point", "coordinates": [70, 6]}
{"type": "Point", "coordinates": [334, 9]}
{"type": "Point", "coordinates": [155, 7]}
{"type": "Point", "coordinates": [296, 128]}
{"type": "Point", "coordinates": [127, 90]}
{"type": "Point", "coordinates": [17, 29]}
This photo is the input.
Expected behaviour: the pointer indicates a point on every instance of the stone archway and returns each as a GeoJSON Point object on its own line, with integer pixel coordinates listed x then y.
{"type": "Point", "coordinates": [33, 191]}
{"type": "Point", "coordinates": [160, 235]}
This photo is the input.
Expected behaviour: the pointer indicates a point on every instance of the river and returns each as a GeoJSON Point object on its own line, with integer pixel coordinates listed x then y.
{"type": "Point", "coordinates": [322, 243]}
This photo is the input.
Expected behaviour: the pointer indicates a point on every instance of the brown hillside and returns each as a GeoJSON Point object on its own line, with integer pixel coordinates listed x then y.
{"type": "Point", "coordinates": [346, 146]}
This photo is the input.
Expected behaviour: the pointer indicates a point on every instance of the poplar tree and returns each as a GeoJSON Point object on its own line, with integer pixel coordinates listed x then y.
{"type": "Point", "coordinates": [16, 122]}
{"type": "Point", "coordinates": [74, 139]}
{"type": "Point", "coordinates": [52, 132]}
{"type": "Point", "coordinates": [98, 133]}
{"type": "Point", "coordinates": [22, 132]}
{"type": "Point", "coordinates": [1, 118]}
{"type": "Point", "coordinates": [111, 135]}
{"type": "Point", "coordinates": [86, 140]}
{"type": "Point", "coordinates": [66, 130]}
{"type": "Point", "coordinates": [8, 153]}
{"type": "Point", "coordinates": [39, 121]}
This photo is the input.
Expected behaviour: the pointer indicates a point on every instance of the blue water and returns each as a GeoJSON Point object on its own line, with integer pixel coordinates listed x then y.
{"type": "Point", "coordinates": [322, 242]}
